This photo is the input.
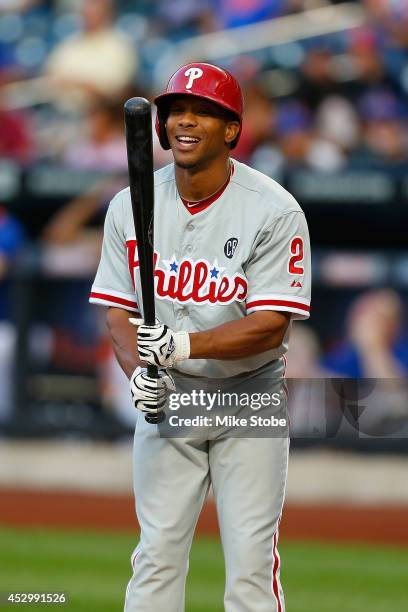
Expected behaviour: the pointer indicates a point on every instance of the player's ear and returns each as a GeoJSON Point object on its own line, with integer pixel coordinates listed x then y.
{"type": "Point", "coordinates": [231, 131]}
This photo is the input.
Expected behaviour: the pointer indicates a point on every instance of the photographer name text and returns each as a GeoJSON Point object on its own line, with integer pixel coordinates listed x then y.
{"type": "Point", "coordinates": [226, 421]}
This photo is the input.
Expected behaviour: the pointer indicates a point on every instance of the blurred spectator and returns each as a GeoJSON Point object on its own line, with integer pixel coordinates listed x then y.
{"type": "Point", "coordinates": [102, 146]}
{"type": "Point", "coordinates": [390, 20]}
{"type": "Point", "coordinates": [16, 136]}
{"type": "Point", "coordinates": [22, 5]}
{"type": "Point", "coordinates": [337, 121]}
{"type": "Point", "coordinates": [294, 130]}
{"type": "Point", "coordinates": [71, 243]}
{"type": "Point", "coordinates": [303, 356]}
{"type": "Point", "coordinates": [374, 346]}
{"type": "Point", "coordinates": [12, 238]}
{"type": "Point", "coordinates": [375, 349]}
{"type": "Point", "coordinates": [258, 122]}
{"type": "Point", "coordinates": [11, 241]}
{"type": "Point", "coordinates": [184, 18]}
{"type": "Point", "coordinates": [385, 136]}
{"type": "Point", "coordinates": [391, 16]}
{"type": "Point", "coordinates": [300, 144]}
{"type": "Point", "coordinates": [236, 13]}
{"type": "Point", "coordinates": [98, 60]}
{"type": "Point", "coordinates": [317, 78]}
{"type": "Point", "coordinates": [367, 62]}
{"type": "Point", "coordinates": [76, 230]}
{"type": "Point", "coordinates": [313, 405]}
{"type": "Point", "coordinates": [322, 405]}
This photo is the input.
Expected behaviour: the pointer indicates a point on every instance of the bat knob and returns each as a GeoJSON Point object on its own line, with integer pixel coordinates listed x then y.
{"type": "Point", "coordinates": [155, 419]}
{"type": "Point", "coordinates": [137, 106]}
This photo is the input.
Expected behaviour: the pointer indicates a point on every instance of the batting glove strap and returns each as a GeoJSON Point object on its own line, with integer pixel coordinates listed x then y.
{"type": "Point", "coordinates": [182, 340]}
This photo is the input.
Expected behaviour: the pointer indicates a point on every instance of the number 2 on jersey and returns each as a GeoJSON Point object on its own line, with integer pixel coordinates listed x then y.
{"type": "Point", "coordinates": [296, 249]}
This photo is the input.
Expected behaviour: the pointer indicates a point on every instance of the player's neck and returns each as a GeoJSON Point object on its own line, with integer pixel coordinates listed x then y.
{"type": "Point", "coordinates": [195, 184]}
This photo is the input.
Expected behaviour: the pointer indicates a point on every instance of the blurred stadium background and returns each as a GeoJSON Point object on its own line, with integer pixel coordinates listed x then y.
{"type": "Point", "coordinates": [326, 87]}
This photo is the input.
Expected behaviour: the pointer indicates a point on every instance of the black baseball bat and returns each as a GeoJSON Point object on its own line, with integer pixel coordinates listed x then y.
{"type": "Point", "coordinates": [138, 125]}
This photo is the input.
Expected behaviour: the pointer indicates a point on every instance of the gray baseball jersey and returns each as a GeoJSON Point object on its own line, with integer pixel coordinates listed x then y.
{"type": "Point", "coordinates": [248, 251]}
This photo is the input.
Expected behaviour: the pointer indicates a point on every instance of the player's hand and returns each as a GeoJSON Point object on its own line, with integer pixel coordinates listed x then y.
{"type": "Point", "coordinates": [159, 345]}
{"type": "Point", "coordinates": [150, 394]}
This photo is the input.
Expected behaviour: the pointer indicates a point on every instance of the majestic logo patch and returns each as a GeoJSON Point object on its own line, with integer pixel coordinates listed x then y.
{"type": "Point", "coordinates": [194, 281]}
{"type": "Point", "coordinates": [230, 246]}
{"type": "Point", "coordinates": [193, 74]}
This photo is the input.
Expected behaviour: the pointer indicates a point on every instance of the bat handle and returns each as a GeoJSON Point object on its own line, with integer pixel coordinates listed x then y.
{"type": "Point", "coordinates": [154, 419]}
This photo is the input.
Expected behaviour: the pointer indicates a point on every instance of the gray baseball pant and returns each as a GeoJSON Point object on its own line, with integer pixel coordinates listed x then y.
{"type": "Point", "coordinates": [171, 481]}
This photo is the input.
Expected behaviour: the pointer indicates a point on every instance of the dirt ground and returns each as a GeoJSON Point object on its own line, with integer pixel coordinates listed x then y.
{"type": "Point", "coordinates": [357, 523]}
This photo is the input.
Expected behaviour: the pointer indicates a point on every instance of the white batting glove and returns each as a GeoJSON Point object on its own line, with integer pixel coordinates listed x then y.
{"type": "Point", "coordinates": [159, 345]}
{"type": "Point", "coordinates": [150, 394]}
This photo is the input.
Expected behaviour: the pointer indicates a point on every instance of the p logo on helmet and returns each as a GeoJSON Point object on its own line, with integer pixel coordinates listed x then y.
{"type": "Point", "coordinates": [193, 74]}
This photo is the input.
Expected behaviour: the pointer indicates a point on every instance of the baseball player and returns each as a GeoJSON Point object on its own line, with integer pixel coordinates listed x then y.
{"type": "Point", "coordinates": [232, 270]}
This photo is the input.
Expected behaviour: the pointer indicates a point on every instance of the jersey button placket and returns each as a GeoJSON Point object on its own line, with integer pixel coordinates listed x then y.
{"type": "Point", "coordinates": [189, 229]}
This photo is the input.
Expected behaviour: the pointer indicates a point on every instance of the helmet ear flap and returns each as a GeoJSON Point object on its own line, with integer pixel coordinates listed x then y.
{"type": "Point", "coordinates": [161, 118]}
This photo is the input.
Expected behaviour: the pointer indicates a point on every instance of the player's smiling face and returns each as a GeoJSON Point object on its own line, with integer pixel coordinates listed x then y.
{"type": "Point", "coordinates": [199, 131]}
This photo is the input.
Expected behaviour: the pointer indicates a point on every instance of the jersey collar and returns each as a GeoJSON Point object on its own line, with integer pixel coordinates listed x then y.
{"type": "Point", "coordinates": [196, 207]}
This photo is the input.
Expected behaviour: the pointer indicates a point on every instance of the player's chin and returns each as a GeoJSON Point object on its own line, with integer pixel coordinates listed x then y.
{"type": "Point", "coordinates": [186, 160]}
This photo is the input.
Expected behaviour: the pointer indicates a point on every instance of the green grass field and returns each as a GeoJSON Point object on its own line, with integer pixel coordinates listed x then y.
{"type": "Point", "coordinates": [93, 568]}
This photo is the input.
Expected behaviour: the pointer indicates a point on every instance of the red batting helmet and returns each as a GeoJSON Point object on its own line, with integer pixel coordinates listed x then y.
{"type": "Point", "coordinates": [204, 81]}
